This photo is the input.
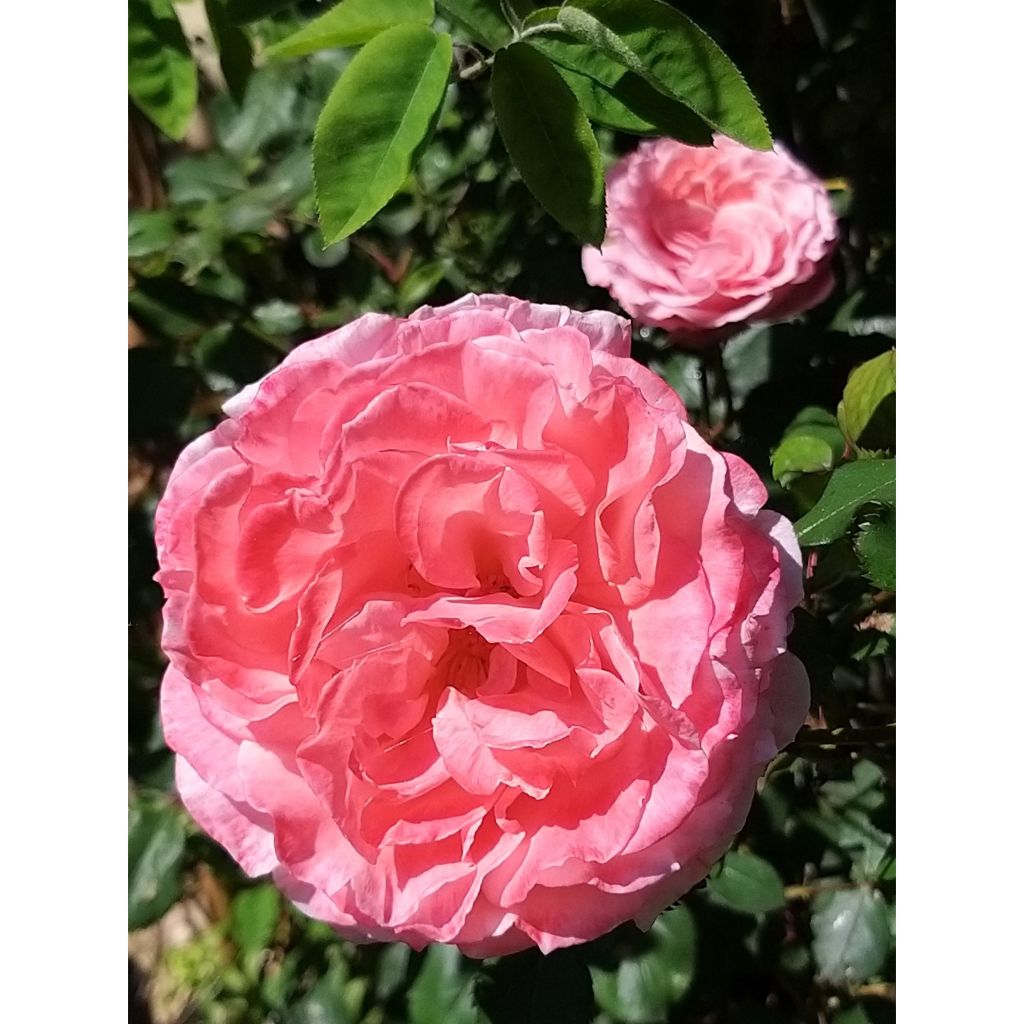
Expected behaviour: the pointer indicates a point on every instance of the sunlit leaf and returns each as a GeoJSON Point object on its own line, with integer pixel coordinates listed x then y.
{"type": "Point", "coordinates": [849, 488]}
{"type": "Point", "coordinates": [851, 934]}
{"type": "Point", "coordinates": [162, 77]}
{"type": "Point", "coordinates": [254, 917]}
{"type": "Point", "coordinates": [812, 443]}
{"type": "Point", "coordinates": [375, 120]}
{"type": "Point", "coordinates": [352, 23]}
{"type": "Point", "coordinates": [867, 412]}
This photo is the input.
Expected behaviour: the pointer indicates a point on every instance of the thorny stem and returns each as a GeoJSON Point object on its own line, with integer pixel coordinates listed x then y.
{"type": "Point", "coordinates": [846, 737]}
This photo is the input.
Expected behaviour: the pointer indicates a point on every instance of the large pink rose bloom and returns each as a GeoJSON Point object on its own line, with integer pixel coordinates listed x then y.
{"type": "Point", "coordinates": [472, 638]}
{"type": "Point", "coordinates": [704, 239]}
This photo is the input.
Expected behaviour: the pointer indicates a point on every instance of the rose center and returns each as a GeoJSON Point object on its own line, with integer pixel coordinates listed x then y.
{"type": "Point", "coordinates": [465, 663]}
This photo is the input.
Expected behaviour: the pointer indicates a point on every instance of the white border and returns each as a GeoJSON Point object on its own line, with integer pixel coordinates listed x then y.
{"type": "Point", "coordinates": [62, 754]}
{"type": "Point", "coordinates": [961, 374]}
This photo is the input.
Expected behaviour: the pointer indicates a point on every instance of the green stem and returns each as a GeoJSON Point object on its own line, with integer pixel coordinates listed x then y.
{"type": "Point", "coordinates": [705, 394]}
{"type": "Point", "coordinates": [476, 70]}
{"type": "Point", "coordinates": [536, 30]}
{"type": "Point", "coordinates": [512, 16]}
{"type": "Point", "coordinates": [723, 389]}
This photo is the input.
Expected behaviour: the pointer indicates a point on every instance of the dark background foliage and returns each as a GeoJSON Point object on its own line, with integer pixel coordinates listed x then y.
{"type": "Point", "coordinates": [227, 272]}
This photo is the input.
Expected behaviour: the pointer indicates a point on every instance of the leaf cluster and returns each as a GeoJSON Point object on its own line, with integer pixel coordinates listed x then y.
{"type": "Point", "coordinates": [638, 66]}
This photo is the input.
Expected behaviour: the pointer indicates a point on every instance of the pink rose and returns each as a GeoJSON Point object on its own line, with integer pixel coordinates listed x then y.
{"type": "Point", "coordinates": [702, 240]}
{"type": "Point", "coordinates": [472, 638]}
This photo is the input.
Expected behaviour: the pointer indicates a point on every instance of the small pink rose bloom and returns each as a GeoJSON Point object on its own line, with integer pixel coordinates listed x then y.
{"type": "Point", "coordinates": [704, 240]}
{"type": "Point", "coordinates": [472, 638]}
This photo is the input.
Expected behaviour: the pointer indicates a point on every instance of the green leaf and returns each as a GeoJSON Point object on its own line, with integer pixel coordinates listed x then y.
{"type": "Point", "coordinates": [243, 11]}
{"type": "Point", "coordinates": [852, 832]}
{"type": "Point", "coordinates": [812, 443]}
{"type": "Point", "coordinates": [876, 549]}
{"type": "Point", "coordinates": [482, 19]}
{"type": "Point", "coordinates": [271, 114]}
{"type": "Point", "coordinates": [669, 51]}
{"type": "Point", "coordinates": [325, 1003]}
{"type": "Point", "coordinates": [617, 98]}
{"type": "Point", "coordinates": [149, 232]}
{"type": "Point", "coordinates": [850, 931]}
{"type": "Point", "coordinates": [747, 883]}
{"type": "Point", "coordinates": [392, 966]}
{"type": "Point", "coordinates": [863, 792]}
{"type": "Point", "coordinates": [320, 255]}
{"type": "Point", "coordinates": [198, 179]}
{"type": "Point", "coordinates": [156, 847]}
{"type": "Point", "coordinates": [807, 451]}
{"type": "Point", "coordinates": [352, 23]}
{"type": "Point", "coordinates": [278, 985]}
{"type": "Point", "coordinates": [234, 49]}
{"type": "Point", "coordinates": [644, 987]}
{"type": "Point", "coordinates": [845, 820]}
{"type": "Point", "coordinates": [278, 317]}
{"type": "Point", "coordinates": [418, 284]}
{"type": "Point", "coordinates": [867, 413]}
{"type": "Point", "coordinates": [376, 118]}
{"type": "Point", "coordinates": [850, 487]}
{"type": "Point", "coordinates": [162, 78]}
{"type": "Point", "coordinates": [443, 990]}
{"type": "Point", "coordinates": [549, 140]}
{"type": "Point", "coordinates": [254, 916]}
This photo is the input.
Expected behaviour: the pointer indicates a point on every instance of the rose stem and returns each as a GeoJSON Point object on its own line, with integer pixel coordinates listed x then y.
{"type": "Point", "coordinates": [705, 392]}
{"type": "Point", "coordinates": [846, 737]}
{"type": "Point", "coordinates": [723, 389]}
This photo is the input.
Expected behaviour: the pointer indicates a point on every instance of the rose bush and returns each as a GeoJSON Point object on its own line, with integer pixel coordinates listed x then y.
{"type": "Point", "coordinates": [702, 240]}
{"type": "Point", "coordinates": [472, 638]}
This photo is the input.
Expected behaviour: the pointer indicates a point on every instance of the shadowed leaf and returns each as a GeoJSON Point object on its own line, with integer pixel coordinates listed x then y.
{"type": "Point", "coordinates": [550, 140]}
{"type": "Point", "coordinates": [665, 48]}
